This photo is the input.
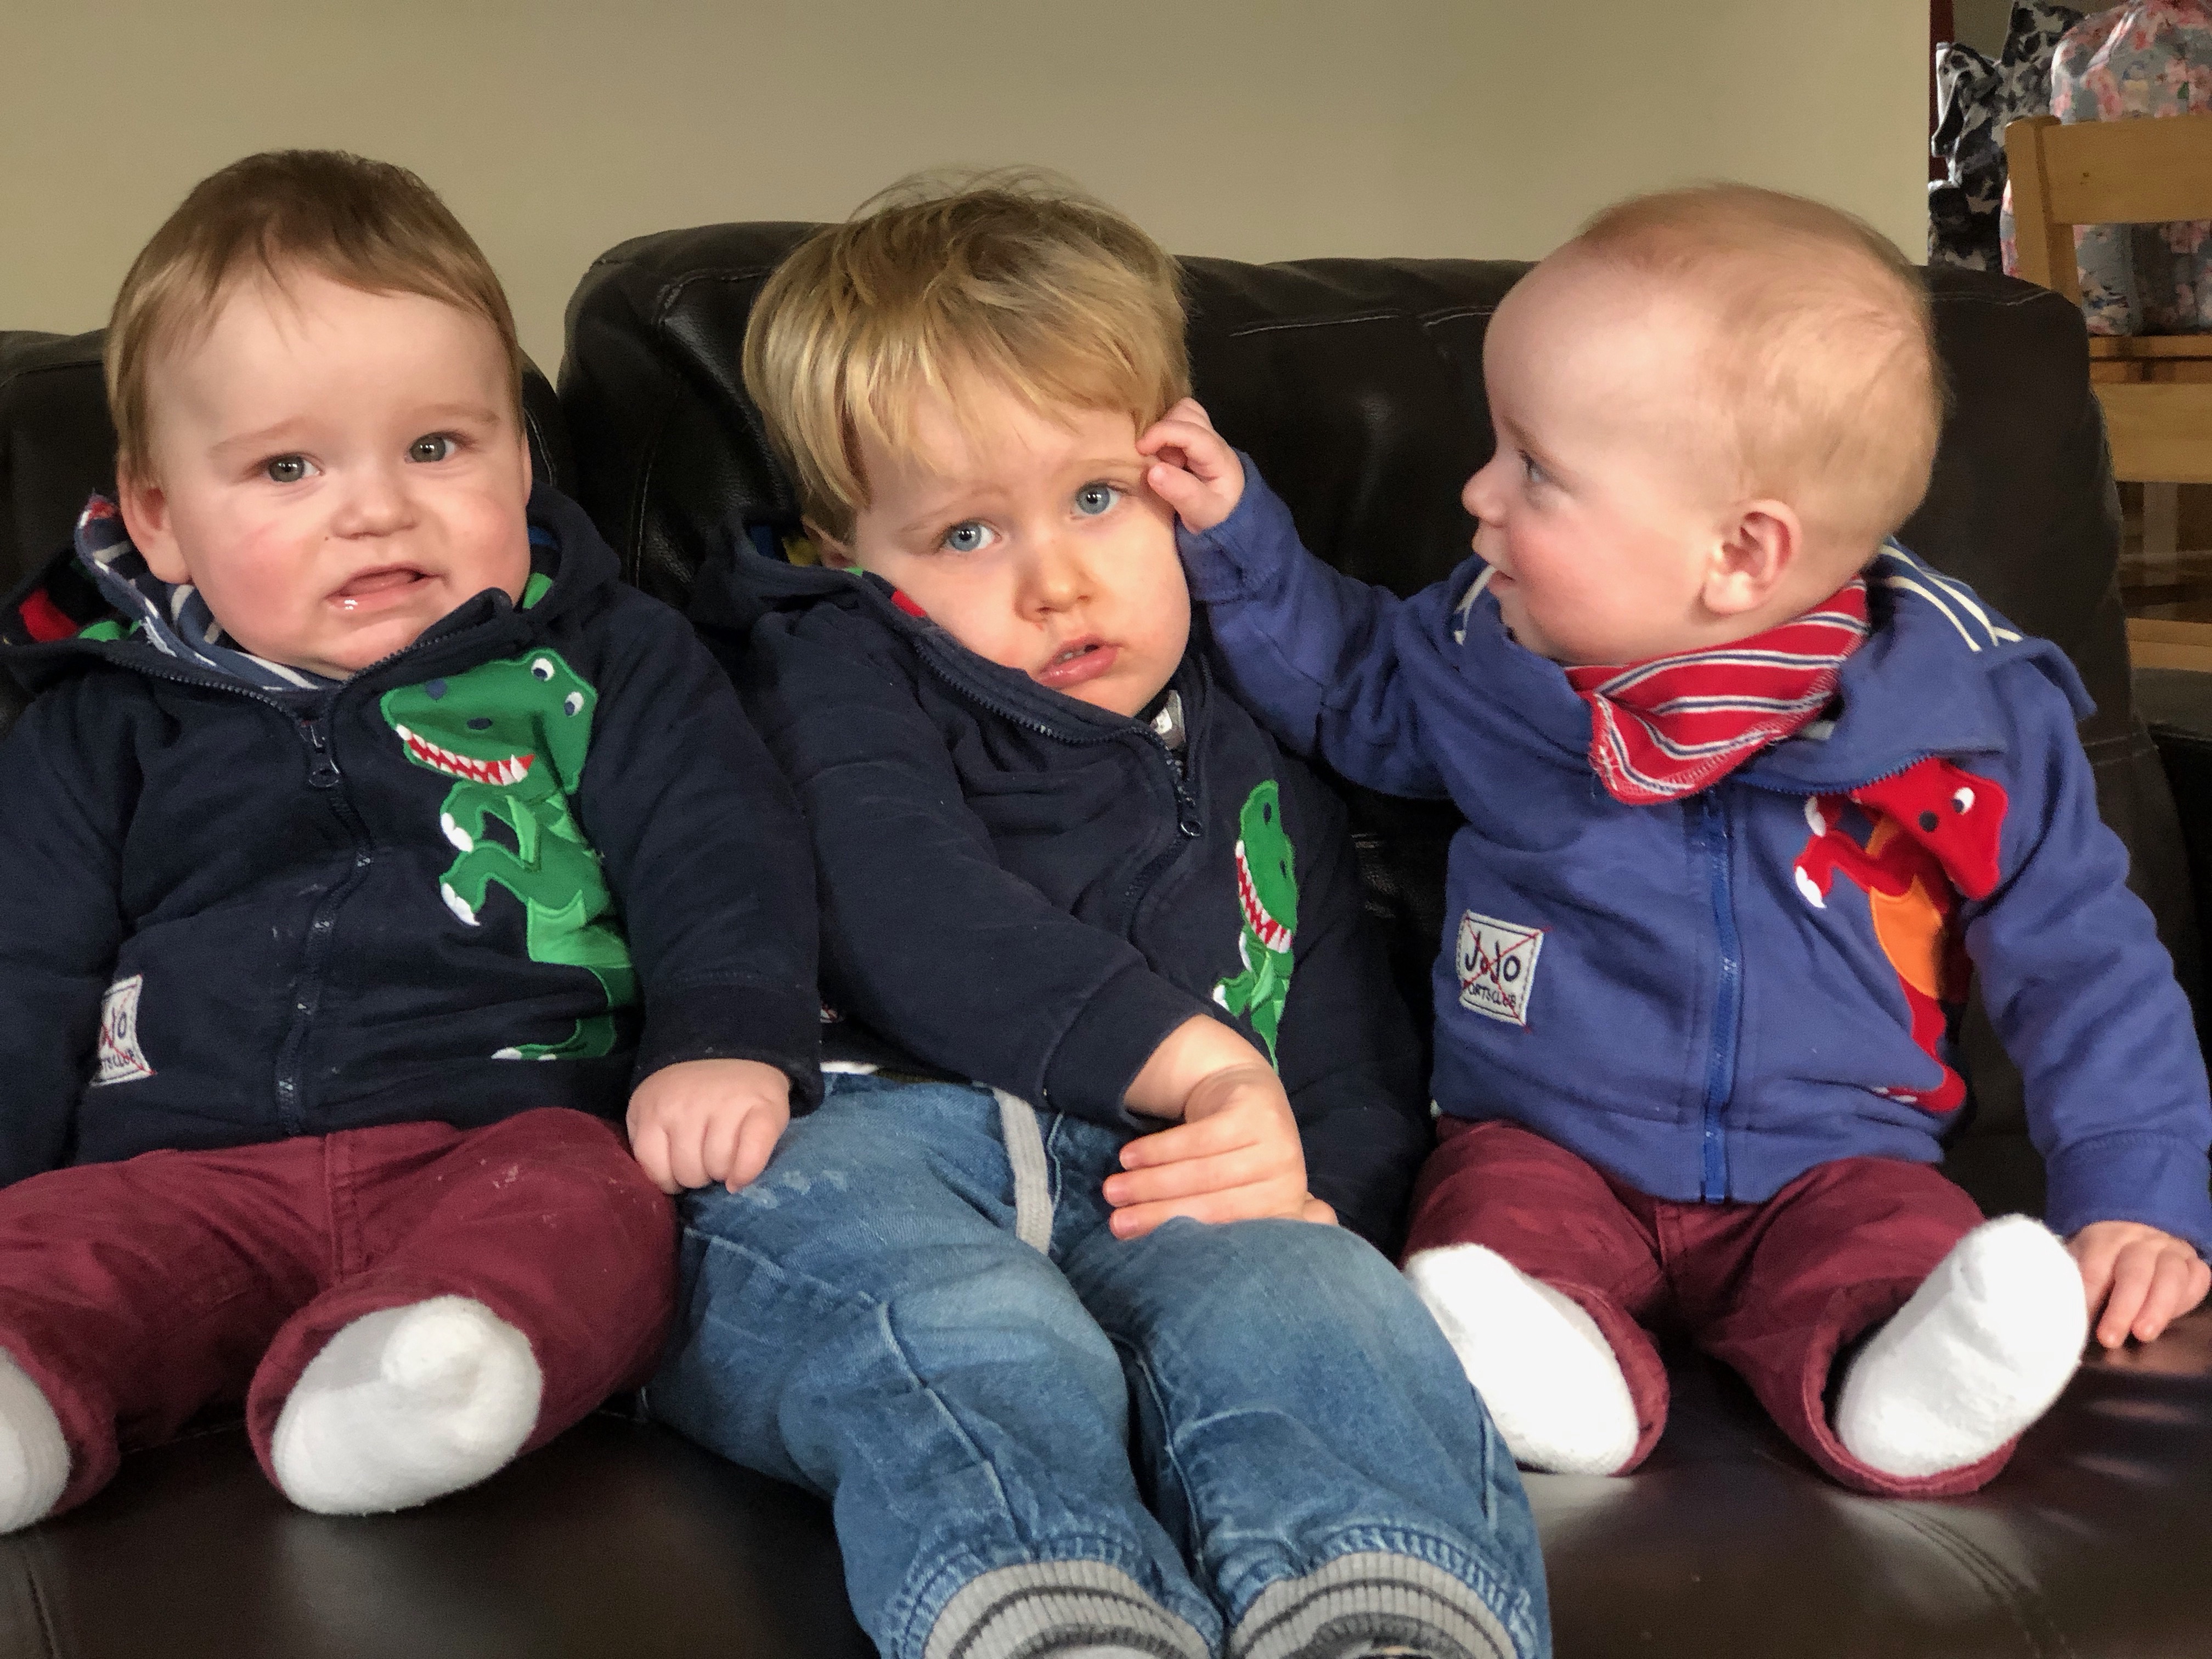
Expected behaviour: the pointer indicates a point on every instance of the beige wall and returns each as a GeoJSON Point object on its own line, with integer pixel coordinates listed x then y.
{"type": "Point", "coordinates": [1238, 127]}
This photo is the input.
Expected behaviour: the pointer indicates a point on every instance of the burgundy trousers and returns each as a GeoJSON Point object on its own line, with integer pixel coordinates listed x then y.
{"type": "Point", "coordinates": [135, 1293]}
{"type": "Point", "coordinates": [1772, 1289]}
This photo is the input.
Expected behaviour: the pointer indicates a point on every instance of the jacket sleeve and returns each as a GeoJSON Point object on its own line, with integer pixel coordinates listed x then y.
{"type": "Point", "coordinates": [1315, 654]}
{"type": "Point", "coordinates": [61, 832]}
{"type": "Point", "coordinates": [927, 937]}
{"type": "Point", "coordinates": [1347, 1050]}
{"type": "Point", "coordinates": [707, 856]}
{"type": "Point", "coordinates": [2084, 996]}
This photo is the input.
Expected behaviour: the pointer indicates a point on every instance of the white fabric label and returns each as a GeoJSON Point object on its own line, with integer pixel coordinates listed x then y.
{"type": "Point", "coordinates": [1497, 964]}
{"type": "Point", "coordinates": [121, 1059]}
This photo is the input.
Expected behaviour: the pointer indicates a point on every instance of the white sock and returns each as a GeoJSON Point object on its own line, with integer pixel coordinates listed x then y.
{"type": "Point", "coordinates": [405, 1404]}
{"type": "Point", "coordinates": [1551, 1381]}
{"type": "Point", "coordinates": [1979, 1352]}
{"type": "Point", "coordinates": [34, 1461]}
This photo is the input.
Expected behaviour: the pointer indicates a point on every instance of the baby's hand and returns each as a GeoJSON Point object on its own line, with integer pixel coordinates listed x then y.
{"type": "Point", "coordinates": [1192, 470]}
{"type": "Point", "coordinates": [2142, 1277]}
{"type": "Point", "coordinates": [1235, 1156]}
{"type": "Point", "coordinates": [707, 1120]}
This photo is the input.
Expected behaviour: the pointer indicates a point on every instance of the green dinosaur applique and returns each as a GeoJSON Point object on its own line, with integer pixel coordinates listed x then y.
{"type": "Point", "coordinates": [513, 735]}
{"type": "Point", "coordinates": [1267, 892]}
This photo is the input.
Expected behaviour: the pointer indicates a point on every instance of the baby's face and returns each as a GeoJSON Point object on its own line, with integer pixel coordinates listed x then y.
{"type": "Point", "coordinates": [1603, 500]}
{"type": "Point", "coordinates": [1033, 541]}
{"type": "Point", "coordinates": [334, 469]}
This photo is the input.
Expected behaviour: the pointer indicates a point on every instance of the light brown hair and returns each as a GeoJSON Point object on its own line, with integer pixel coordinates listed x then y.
{"type": "Point", "coordinates": [1052, 296]}
{"type": "Point", "coordinates": [368, 224]}
{"type": "Point", "coordinates": [1825, 385]}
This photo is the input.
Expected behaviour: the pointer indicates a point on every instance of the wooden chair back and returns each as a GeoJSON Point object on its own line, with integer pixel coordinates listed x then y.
{"type": "Point", "coordinates": [2156, 390]}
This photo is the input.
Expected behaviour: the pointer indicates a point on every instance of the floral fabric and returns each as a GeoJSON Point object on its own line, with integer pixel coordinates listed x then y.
{"type": "Point", "coordinates": [1978, 97]}
{"type": "Point", "coordinates": [2150, 58]}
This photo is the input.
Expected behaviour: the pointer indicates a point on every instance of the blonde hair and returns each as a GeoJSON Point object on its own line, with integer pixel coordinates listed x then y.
{"type": "Point", "coordinates": [367, 224]}
{"type": "Point", "coordinates": [1827, 386]}
{"type": "Point", "coordinates": [1011, 277]}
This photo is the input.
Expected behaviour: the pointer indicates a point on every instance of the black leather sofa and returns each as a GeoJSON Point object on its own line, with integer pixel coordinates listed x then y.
{"type": "Point", "coordinates": [1356, 384]}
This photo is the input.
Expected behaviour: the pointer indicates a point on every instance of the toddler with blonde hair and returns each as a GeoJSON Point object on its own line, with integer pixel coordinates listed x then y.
{"type": "Point", "coordinates": [1749, 789]}
{"type": "Point", "coordinates": [1068, 1294]}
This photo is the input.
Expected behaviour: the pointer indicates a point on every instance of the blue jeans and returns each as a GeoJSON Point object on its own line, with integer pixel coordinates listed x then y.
{"type": "Point", "coordinates": [1247, 1438]}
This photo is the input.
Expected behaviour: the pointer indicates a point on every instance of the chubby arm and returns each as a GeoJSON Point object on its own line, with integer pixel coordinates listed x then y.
{"type": "Point", "coordinates": [2084, 996]}
{"type": "Point", "coordinates": [1319, 656]}
{"type": "Point", "coordinates": [61, 830]}
{"type": "Point", "coordinates": [707, 855]}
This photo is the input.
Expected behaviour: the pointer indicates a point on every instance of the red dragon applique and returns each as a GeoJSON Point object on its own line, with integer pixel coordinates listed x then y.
{"type": "Point", "coordinates": [1936, 833]}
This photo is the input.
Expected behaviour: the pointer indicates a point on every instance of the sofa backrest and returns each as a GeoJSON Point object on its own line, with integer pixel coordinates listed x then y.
{"type": "Point", "coordinates": [1357, 386]}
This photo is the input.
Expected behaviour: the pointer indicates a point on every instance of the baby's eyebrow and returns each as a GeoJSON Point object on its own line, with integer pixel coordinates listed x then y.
{"type": "Point", "coordinates": [483, 414]}
{"type": "Point", "coordinates": [267, 437]}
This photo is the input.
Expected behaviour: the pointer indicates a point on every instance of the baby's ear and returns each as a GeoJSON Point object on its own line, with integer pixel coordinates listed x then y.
{"type": "Point", "coordinates": [145, 507]}
{"type": "Point", "coordinates": [1758, 550]}
{"type": "Point", "coordinates": [834, 553]}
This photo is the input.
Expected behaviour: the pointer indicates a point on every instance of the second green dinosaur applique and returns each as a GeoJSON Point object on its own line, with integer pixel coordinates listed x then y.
{"type": "Point", "coordinates": [513, 735]}
{"type": "Point", "coordinates": [1268, 894]}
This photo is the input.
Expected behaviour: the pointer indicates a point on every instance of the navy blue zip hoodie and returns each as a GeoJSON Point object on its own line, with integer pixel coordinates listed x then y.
{"type": "Point", "coordinates": [1026, 891]}
{"type": "Point", "coordinates": [229, 914]}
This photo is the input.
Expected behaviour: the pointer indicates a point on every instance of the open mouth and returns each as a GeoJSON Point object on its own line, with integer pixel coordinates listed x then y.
{"type": "Point", "coordinates": [1271, 934]}
{"type": "Point", "coordinates": [1079, 660]}
{"type": "Point", "coordinates": [385, 581]}
{"type": "Point", "coordinates": [510, 771]}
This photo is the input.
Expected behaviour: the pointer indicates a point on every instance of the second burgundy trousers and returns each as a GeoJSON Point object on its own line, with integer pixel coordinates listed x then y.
{"type": "Point", "coordinates": [1773, 1290]}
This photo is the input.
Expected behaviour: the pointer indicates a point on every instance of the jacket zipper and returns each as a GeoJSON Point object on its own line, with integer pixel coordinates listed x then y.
{"type": "Point", "coordinates": [1727, 996]}
{"type": "Point", "coordinates": [1187, 821]}
{"type": "Point", "coordinates": [1189, 825]}
{"type": "Point", "coordinates": [322, 773]}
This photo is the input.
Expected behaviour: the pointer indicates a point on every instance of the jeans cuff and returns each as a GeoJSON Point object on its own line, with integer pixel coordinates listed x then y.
{"type": "Point", "coordinates": [1362, 1602]}
{"type": "Point", "coordinates": [1043, 1607]}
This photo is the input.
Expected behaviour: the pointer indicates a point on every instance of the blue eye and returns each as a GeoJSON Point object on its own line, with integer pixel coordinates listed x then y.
{"type": "Point", "coordinates": [435, 447]}
{"type": "Point", "coordinates": [968, 536]}
{"type": "Point", "coordinates": [1530, 470]}
{"type": "Point", "coordinates": [288, 469]}
{"type": "Point", "coordinates": [1094, 499]}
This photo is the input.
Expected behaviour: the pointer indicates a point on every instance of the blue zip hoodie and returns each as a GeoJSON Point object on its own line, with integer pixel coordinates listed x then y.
{"type": "Point", "coordinates": [231, 913]}
{"type": "Point", "coordinates": [1022, 890]}
{"type": "Point", "coordinates": [1696, 996]}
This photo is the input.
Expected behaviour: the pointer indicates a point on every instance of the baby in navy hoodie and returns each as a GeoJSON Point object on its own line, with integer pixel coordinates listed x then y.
{"type": "Point", "coordinates": [369, 851]}
{"type": "Point", "coordinates": [1749, 790]}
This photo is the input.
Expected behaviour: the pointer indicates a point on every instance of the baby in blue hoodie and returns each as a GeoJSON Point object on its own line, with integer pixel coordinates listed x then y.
{"type": "Point", "coordinates": [1749, 792]}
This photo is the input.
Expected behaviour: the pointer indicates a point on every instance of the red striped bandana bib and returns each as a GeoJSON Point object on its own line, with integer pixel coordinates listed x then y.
{"type": "Point", "coordinates": [1669, 726]}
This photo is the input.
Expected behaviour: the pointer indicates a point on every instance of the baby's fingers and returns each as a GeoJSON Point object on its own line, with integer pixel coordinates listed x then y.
{"type": "Point", "coordinates": [687, 1159]}
{"type": "Point", "coordinates": [756, 1139]}
{"type": "Point", "coordinates": [648, 1144]}
{"type": "Point", "coordinates": [2179, 1286]}
{"type": "Point", "coordinates": [1187, 1178]}
{"type": "Point", "coordinates": [1205, 1137]}
{"type": "Point", "coordinates": [1235, 1204]}
{"type": "Point", "coordinates": [2132, 1273]}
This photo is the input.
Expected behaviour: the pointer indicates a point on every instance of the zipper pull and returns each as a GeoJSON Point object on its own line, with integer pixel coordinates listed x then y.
{"type": "Point", "coordinates": [322, 766]}
{"type": "Point", "coordinates": [1187, 819]}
